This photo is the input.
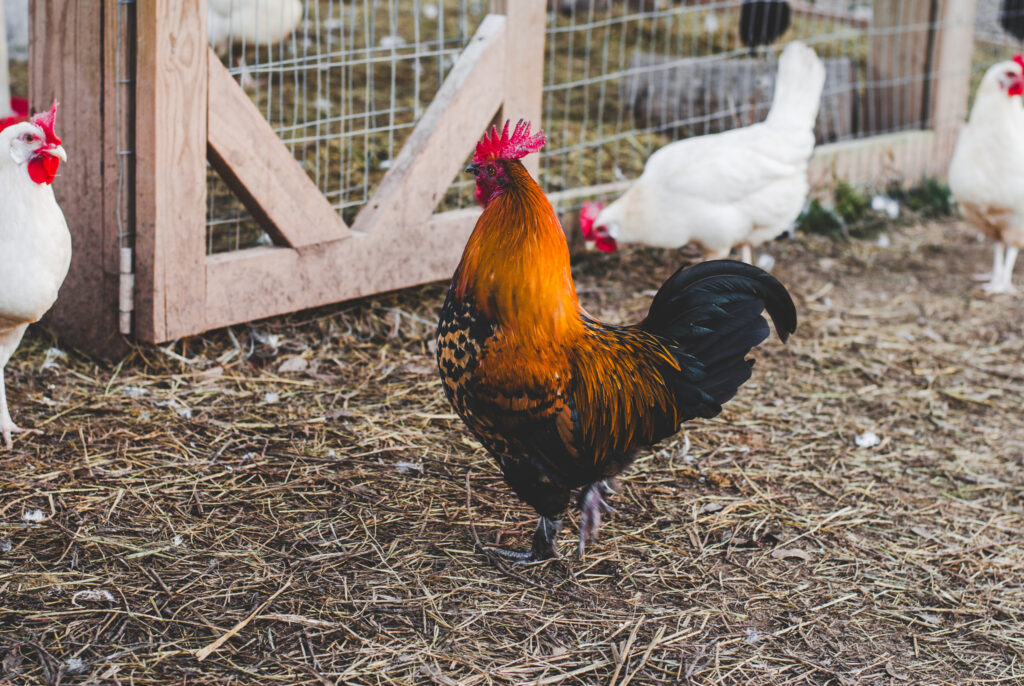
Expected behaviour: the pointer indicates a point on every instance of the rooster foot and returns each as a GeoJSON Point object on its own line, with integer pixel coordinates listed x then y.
{"type": "Point", "coordinates": [543, 544]}
{"type": "Point", "coordinates": [7, 428]}
{"type": "Point", "coordinates": [593, 506]}
{"type": "Point", "coordinates": [1000, 287]}
{"type": "Point", "coordinates": [982, 278]}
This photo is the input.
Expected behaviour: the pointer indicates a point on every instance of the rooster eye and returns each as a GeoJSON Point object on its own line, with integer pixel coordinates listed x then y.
{"type": "Point", "coordinates": [29, 138]}
{"type": "Point", "coordinates": [490, 171]}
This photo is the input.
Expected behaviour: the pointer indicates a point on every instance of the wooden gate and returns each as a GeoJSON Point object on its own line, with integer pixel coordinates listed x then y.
{"type": "Point", "coordinates": [188, 109]}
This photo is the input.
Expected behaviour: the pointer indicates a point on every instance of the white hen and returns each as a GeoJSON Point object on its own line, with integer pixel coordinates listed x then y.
{"type": "Point", "coordinates": [251, 22]}
{"type": "Point", "coordinates": [35, 245]}
{"type": "Point", "coordinates": [986, 174]}
{"type": "Point", "coordinates": [736, 188]}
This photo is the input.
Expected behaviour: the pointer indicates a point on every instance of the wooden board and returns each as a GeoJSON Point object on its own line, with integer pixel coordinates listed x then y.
{"type": "Point", "coordinates": [171, 135]}
{"type": "Point", "coordinates": [443, 138]}
{"type": "Point", "coordinates": [951, 88]}
{"type": "Point", "coordinates": [72, 70]}
{"type": "Point", "coordinates": [524, 65]}
{"type": "Point", "coordinates": [364, 264]}
{"type": "Point", "coordinates": [898, 66]}
{"type": "Point", "coordinates": [261, 170]}
{"type": "Point", "coordinates": [904, 157]}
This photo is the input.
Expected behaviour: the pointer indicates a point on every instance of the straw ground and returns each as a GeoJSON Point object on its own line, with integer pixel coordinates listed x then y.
{"type": "Point", "coordinates": [294, 502]}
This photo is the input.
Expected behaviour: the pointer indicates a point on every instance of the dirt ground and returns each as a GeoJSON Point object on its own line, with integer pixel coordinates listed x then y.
{"type": "Point", "coordinates": [297, 496]}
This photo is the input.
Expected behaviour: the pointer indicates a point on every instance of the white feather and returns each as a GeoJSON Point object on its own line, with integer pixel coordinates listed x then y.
{"type": "Point", "coordinates": [252, 22]}
{"type": "Point", "coordinates": [744, 186]}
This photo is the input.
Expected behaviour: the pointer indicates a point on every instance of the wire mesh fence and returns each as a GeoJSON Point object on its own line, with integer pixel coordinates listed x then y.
{"type": "Point", "coordinates": [343, 91]}
{"type": "Point", "coordinates": [344, 82]}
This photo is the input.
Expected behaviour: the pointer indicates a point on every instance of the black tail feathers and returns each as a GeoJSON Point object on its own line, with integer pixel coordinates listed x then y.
{"type": "Point", "coordinates": [710, 316]}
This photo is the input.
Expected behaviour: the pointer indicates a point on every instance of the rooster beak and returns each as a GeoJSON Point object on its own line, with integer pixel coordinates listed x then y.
{"type": "Point", "coordinates": [59, 153]}
{"type": "Point", "coordinates": [471, 169]}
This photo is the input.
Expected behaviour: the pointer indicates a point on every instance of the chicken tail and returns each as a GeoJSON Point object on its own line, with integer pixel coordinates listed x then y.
{"type": "Point", "coordinates": [798, 86]}
{"type": "Point", "coordinates": [710, 317]}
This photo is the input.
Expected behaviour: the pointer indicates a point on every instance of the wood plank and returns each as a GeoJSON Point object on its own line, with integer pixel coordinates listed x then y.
{"type": "Point", "coordinates": [524, 67]}
{"type": "Point", "coordinates": [71, 70]}
{"type": "Point", "coordinates": [898, 66]}
{"type": "Point", "coordinates": [443, 139]}
{"type": "Point", "coordinates": [362, 265]}
{"type": "Point", "coordinates": [5, 83]}
{"type": "Point", "coordinates": [906, 156]}
{"type": "Point", "coordinates": [171, 135]}
{"type": "Point", "coordinates": [951, 88]}
{"type": "Point", "coordinates": [262, 171]}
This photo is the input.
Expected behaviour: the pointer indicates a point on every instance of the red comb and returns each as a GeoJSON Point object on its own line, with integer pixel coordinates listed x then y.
{"type": "Point", "coordinates": [1019, 60]}
{"type": "Point", "coordinates": [505, 147]}
{"type": "Point", "coordinates": [46, 121]}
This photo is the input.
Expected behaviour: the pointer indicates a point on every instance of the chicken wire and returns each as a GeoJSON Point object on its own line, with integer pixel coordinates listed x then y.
{"type": "Point", "coordinates": [346, 88]}
{"type": "Point", "coordinates": [344, 92]}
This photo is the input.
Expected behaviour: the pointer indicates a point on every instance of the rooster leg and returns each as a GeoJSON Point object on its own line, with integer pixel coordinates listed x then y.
{"type": "Point", "coordinates": [747, 253]}
{"type": "Point", "coordinates": [1001, 280]}
{"type": "Point", "coordinates": [1011, 259]}
{"type": "Point", "coordinates": [997, 266]}
{"type": "Point", "coordinates": [7, 426]}
{"type": "Point", "coordinates": [592, 506]}
{"type": "Point", "coordinates": [543, 543]}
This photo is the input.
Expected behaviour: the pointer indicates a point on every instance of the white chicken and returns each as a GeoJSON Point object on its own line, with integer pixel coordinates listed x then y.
{"type": "Point", "coordinates": [35, 245]}
{"type": "Point", "coordinates": [251, 22]}
{"type": "Point", "coordinates": [736, 188]}
{"type": "Point", "coordinates": [986, 174]}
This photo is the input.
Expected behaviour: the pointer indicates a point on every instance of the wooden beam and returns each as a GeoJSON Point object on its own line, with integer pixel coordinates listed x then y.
{"type": "Point", "coordinates": [906, 156]}
{"type": "Point", "coordinates": [262, 171]}
{"type": "Point", "coordinates": [524, 66]}
{"type": "Point", "coordinates": [898, 66]}
{"type": "Point", "coordinates": [171, 130]}
{"type": "Point", "coordinates": [444, 137]}
{"type": "Point", "coordinates": [72, 70]}
{"type": "Point", "coordinates": [362, 265]}
{"type": "Point", "coordinates": [954, 47]}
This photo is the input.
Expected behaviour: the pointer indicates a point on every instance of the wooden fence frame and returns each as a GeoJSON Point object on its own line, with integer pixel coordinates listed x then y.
{"type": "Point", "coordinates": [188, 110]}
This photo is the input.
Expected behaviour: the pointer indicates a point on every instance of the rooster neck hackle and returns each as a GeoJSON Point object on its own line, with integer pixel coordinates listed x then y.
{"type": "Point", "coordinates": [516, 264]}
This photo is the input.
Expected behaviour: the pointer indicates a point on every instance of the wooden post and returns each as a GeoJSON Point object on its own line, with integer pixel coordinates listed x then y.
{"type": "Point", "coordinates": [898, 63]}
{"type": "Point", "coordinates": [951, 90]}
{"type": "Point", "coordinates": [524, 64]}
{"type": "Point", "coordinates": [171, 133]}
{"type": "Point", "coordinates": [72, 71]}
{"type": "Point", "coordinates": [5, 85]}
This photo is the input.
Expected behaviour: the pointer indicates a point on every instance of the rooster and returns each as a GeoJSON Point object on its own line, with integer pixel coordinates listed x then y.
{"type": "Point", "coordinates": [35, 245]}
{"type": "Point", "coordinates": [736, 188]}
{"type": "Point", "coordinates": [561, 400]}
{"type": "Point", "coordinates": [987, 170]}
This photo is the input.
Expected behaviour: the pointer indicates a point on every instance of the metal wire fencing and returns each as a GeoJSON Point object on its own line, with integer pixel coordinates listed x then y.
{"type": "Point", "coordinates": [625, 78]}
{"type": "Point", "coordinates": [622, 78]}
{"type": "Point", "coordinates": [343, 90]}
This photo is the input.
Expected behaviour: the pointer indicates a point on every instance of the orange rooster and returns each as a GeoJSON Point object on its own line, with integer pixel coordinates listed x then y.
{"type": "Point", "coordinates": [561, 400]}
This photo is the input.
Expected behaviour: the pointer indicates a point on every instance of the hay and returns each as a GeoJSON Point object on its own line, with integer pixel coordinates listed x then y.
{"type": "Point", "coordinates": [327, 513]}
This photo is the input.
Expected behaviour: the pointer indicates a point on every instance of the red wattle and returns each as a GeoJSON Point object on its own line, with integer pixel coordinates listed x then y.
{"type": "Point", "coordinates": [43, 168]}
{"type": "Point", "coordinates": [606, 244]}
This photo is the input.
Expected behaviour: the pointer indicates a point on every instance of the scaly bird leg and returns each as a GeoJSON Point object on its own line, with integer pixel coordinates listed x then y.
{"type": "Point", "coordinates": [1008, 264]}
{"type": "Point", "coordinates": [997, 266]}
{"type": "Point", "coordinates": [747, 253]}
{"type": "Point", "coordinates": [592, 506]}
{"type": "Point", "coordinates": [7, 425]}
{"type": "Point", "coordinates": [543, 543]}
{"type": "Point", "coordinates": [1001, 281]}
